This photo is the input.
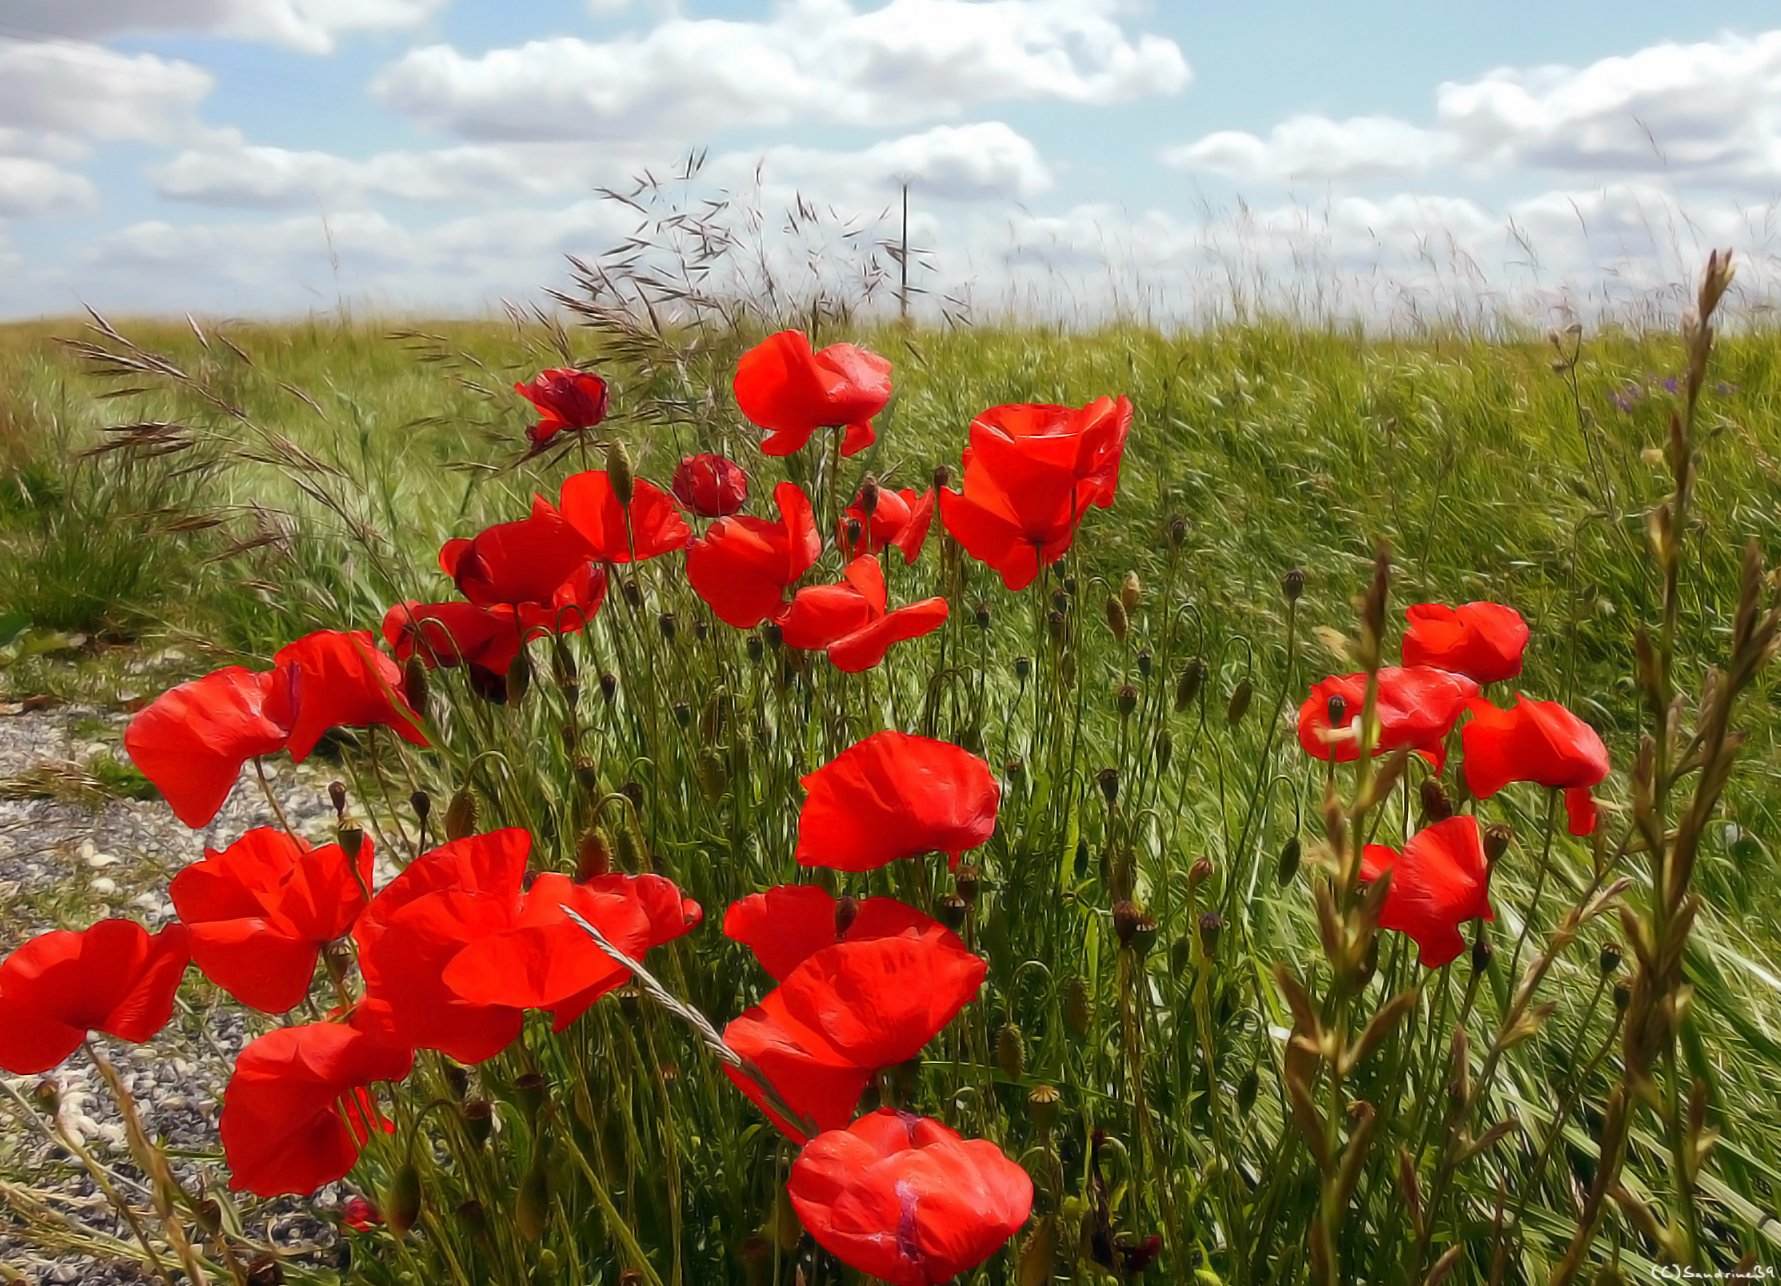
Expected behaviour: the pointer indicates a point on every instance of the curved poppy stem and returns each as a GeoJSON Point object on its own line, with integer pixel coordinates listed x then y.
{"type": "Point", "coordinates": [271, 799]}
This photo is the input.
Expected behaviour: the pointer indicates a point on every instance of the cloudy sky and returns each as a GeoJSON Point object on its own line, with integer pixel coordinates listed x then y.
{"type": "Point", "coordinates": [276, 156]}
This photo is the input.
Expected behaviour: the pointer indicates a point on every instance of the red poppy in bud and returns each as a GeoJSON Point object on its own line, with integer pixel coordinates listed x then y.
{"type": "Point", "coordinates": [114, 977]}
{"type": "Point", "coordinates": [415, 927]}
{"type": "Point", "coordinates": [1417, 706]}
{"type": "Point", "coordinates": [193, 740]}
{"type": "Point", "coordinates": [615, 533]}
{"type": "Point", "coordinates": [743, 566]}
{"type": "Point", "coordinates": [452, 634]}
{"type": "Point", "coordinates": [895, 795]}
{"type": "Point", "coordinates": [710, 485]}
{"type": "Point", "coordinates": [900, 521]}
{"type": "Point", "coordinates": [847, 1012]}
{"type": "Point", "coordinates": [338, 679]}
{"type": "Point", "coordinates": [1483, 641]}
{"type": "Point", "coordinates": [905, 1200]}
{"type": "Point", "coordinates": [299, 1106]}
{"type": "Point", "coordinates": [1439, 882]}
{"type": "Point", "coordinates": [539, 566]}
{"type": "Point", "coordinates": [788, 924]}
{"type": "Point", "coordinates": [544, 960]}
{"type": "Point", "coordinates": [1537, 741]}
{"type": "Point", "coordinates": [849, 620]}
{"type": "Point", "coordinates": [359, 1214]}
{"type": "Point", "coordinates": [568, 401]}
{"type": "Point", "coordinates": [786, 389]}
{"type": "Point", "coordinates": [261, 910]}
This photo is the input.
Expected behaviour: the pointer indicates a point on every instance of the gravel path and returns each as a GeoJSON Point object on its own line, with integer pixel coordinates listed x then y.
{"type": "Point", "coordinates": [65, 864]}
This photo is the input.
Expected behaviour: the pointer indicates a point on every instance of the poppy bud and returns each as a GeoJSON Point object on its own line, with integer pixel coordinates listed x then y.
{"type": "Point", "coordinates": [415, 684]}
{"type": "Point", "coordinates": [422, 803]}
{"type": "Point", "coordinates": [713, 774]}
{"type": "Point", "coordinates": [1023, 666]}
{"type": "Point", "coordinates": [942, 477]}
{"type": "Point", "coordinates": [1246, 1090]}
{"type": "Point", "coordinates": [983, 616]}
{"type": "Point", "coordinates": [457, 1080]}
{"type": "Point", "coordinates": [1016, 768]}
{"type": "Point", "coordinates": [1042, 1106]}
{"type": "Point", "coordinates": [529, 1091]}
{"type": "Point", "coordinates": [1055, 621]}
{"type": "Point", "coordinates": [701, 629]}
{"type": "Point", "coordinates": [1011, 1051]}
{"type": "Point", "coordinates": [593, 855]}
{"type": "Point", "coordinates": [1177, 530]}
{"type": "Point", "coordinates": [337, 797]}
{"type": "Point", "coordinates": [460, 813]}
{"type": "Point", "coordinates": [1238, 705]}
{"type": "Point", "coordinates": [1436, 805]}
{"type": "Point", "coordinates": [609, 687]}
{"type": "Point", "coordinates": [1211, 927]}
{"type": "Point", "coordinates": [1610, 958]}
{"type": "Point", "coordinates": [1293, 584]}
{"type": "Point", "coordinates": [1337, 711]}
{"type": "Point", "coordinates": [1108, 780]}
{"type": "Point", "coordinates": [1131, 592]}
{"type": "Point", "coordinates": [628, 850]}
{"type": "Point", "coordinates": [1145, 663]}
{"type": "Point", "coordinates": [1081, 864]}
{"type": "Point", "coordinates": [632, 591]}
{"type": "Point", "coordinates": [619, 472]}
{"type": "Point", "coordinates": [854, 532]}
{"type": "Point", "coordinates": [519, 676]}
{"type": "Point", "coordinates": [1069, 586]}
{"type": "Point", "coordinates": [264, 1270]}
{"type": "Point", "coordinates": [846, 911]}
{"type": "Point", "coordinates": [1187, 687]}
{"type": "Point", "coordinates": [665, 622]}
{"type": "Point", "coordinates": [587, 776]}
{"type": "Point", "coordinates": [531, 1208]}
{"type": "Point", "coordinates": [966, 881]}
{"type": "Point", "coordinates": [755, 649]}
{"type": "Point", "coordinates": [351, 839]}
{"type": "Point", "coordinates": [774, 634]}
{"type": "Point", "coordinates": [952, 911]}
{"type": "Point", "coordinates": [47, 1095]}
{"type": "Point", "coordinates": [683, 713]}
{"type": "Point", "coordinates": [1482, 953]}
{"type": "Point", "coordinates": [869, 495]}
{"type": "Point", "coordinates": [1623, 995]}
{"type": "Point", "coordinates": [1126, 915]}
{"type": "Point", "coordinates": [402, 1205]}
{"type": "Point", "coordinates": [209, 1213]}
{"type": "Point", "coordinates": [1199, 873]}
{"type": "Point", "coordinates": [1078, 1007]}
{"type": "Point", "coordinates": [1165, 750]}
{"type": "Point", "coordinates": [1125, 700]}
{"type": "Point", "coordinates": [1497, 838]}
{"type": "Point", "coordinates": [472, 1216]}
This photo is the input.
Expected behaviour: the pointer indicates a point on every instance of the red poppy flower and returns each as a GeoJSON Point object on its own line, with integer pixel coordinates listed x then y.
{"type": "Point", "coordinates": [360, 1214]}
{"type": "Point", "coordinates": [743, 566]}
{"type": "Point", "coordinates": [900, 521]}
{"type": "Point", "coordinates": [847, 1012]}
{"type": "Point", "coordinates": [261, 910]}
{"type": "Point", "coordinates": [113, 977]}
{"type": "Point", "coordinates": [1483, 641]}
{"type": "Point", "coordinates": [710, 485]}
{"type": "Point", "coordinates": [1085, 442]}
{"type": "Point", "coordinates": [299, 1106]}
{"type": "Point", "coordinates": [788, 924]}
{"type": "Point", "coordinates": [1439, 882]}
{"type": "Point", "coordinates": [1417, 707]}
{"type": "Point", "coordinates": [452, 634]}
{"type": "Point", "coordinates": [568, 401]}
{"type": "Point", "coordinates": [1537, 741]}
{"type": "Point", "coordinates": [785, 388]}
{"type": "Point", "coordinates": [849, 620]}
{"type": "Point", "coordinates": [648, 527]}
{"type": "Point", "coordinates": [544, 960]}
{"type": "Point", "coordinates": [905, 1200]}
{"type": "Point", "coordinates": [895, 795]}
{"type": "Point", "coordinates": [338, 679]}
{"type": "Point", "coordinates": [415, 927]}
{"type": "Point", "coordinates": [193, 740]}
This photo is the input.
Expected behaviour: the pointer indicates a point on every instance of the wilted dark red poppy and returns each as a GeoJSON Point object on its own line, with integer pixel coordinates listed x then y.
{"type": "Point", "coordinates": [452, 634]}
{"type": "Point", "coordinates": [416, 926]}
{"type": "Point", "coordinates": [896, 795]}
{"type": "Point", "coordinates": [338, 679]}
{"type": "Point", "coordinates": [113, 977]}
{"type": "Point", "coordinates": [905, 1200]}
{"type": "Point", "coordinates": [1417, 706]}
{"type": "Point", "coordinates": [260, 911]}
{"type": "Point", "coordinates": [743, 566]}
{"type": "Point", "coordinates": [711, 486]}
{"type": "Point", "coordinates": [567, 402]}
{"type": "Point", "coordinates": [1540, 742]}
{"type": "Point", "coordinates": [540, 566]}
{"type": "Point", "coordinates": [1439, 882]}
{"type": "Point", "coordinates": [788, 924]}
{"type": "Point", "coordinates": [299, 1106]}
{"type": "Point", "coordinates": [615, 533]}
{"type": "Point", "coordinates": [1483, 641]}
{"type": "Point", "coordinates": [899, 520]}
{"type": "Point", "coordinates": [849, 620]}
{"type": "Point", "coordinates": [846, 1012]}
{"type": "Point", "coordinates": [193, 740]}
{"type": "Point", "coordinates": [544, 960]}
{"type": "Point", "coordinates": [785, 388]}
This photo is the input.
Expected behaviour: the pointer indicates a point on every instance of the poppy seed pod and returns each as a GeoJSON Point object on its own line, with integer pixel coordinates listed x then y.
{"type": "Point", "coordinates": [1125, 700]}
{"type": "Point", "coordinates": [1177, 530]}
{"type": "Point", "coordinates": [1437, 806]}
{"type": "Point", "coordinates": [1199, 873]}
{"type": "Point", "coordinates": [208, 1214]}
{"type": "Point", "coordinates": [1165, 750]}
{"type": "Point", "coordinates": [1145, 663]}
{"type": "Point", "coordinates": [665, 623]}
{"type": "Point", "coordinates": [479, 1120]}
{"type": "Point", "coordinates": [531, 1208]}
{"type": "Point", "coordinates": [1287, 868]}
{"type": "Point", "coordinates": [1108, 780]}
{"type": "Point", "coordinates": [868, 499]}
{"type": "Point", "coordinates": [983, 616]}
{"type": "Point", "coordinates": [1055, 620]}
{"type": "Point", "coordinates": [755, 649]}
{"type": "Point", "coordinates": [1211, 929]}
{"type": "Point", "coordinates": [1337, 710]}
{"type": "Point", "coordinates": [952, 911]}
{"type": "Point", "coordinates": [1042, 1107]}
{"type": "Point", "coordinates": [47, 1095]}
{"type": "Point", "coordinates": [422, 803]}
{"type": "Point", "coordinates": [337, 797]}
{"type": "Point", "coordinates": [1610, 958]}
{"type": "Point", "coordinates": [1187, 687]}
{"type": "Point", "coordinates": [942, 477]}
{"type": "Point", "coordinates": [619, 472]}
{"type": "Point", "coordinates": [846, 911]}
{"type": "Point", "coordinates": [854, 531]}
{"type": "Point", "coordinates": [1015, 768]}
{"type": "Point", "coordinates": [264, 1270]}
{"type": "Point", "coordinates": [1125, 921]}
{"type": "Point", "coordinates": [1497, 838]}
{"type": "Point", "coordinates": [632, 590]}
{"type": "Point", "coordinates": [1292, 585]}
{"type": "Point", "coordinates": [966, 881]}
{"type": "Point", "coordinates": [1011, 1051]}
{"type": "Point", "coordinates": [351, 839]}
{"type": "Point", "coordinates": [1131, 592]}
{"type": "Point", "coordinates": [1238, 705]}
{"type": "Point", "coordinates": [529, 1091]}
{"type": "Point", "coordinates": [1078, 1007]}
{"type": "Point", "coordinates": [1482, 954]}
{"type": "Point", "coordinates": [587, 776]}
{"type": "Point", "coordinates": [402, 1205]}
{"type": "Point", "coordinates": [457, 1081]}
{"type": "Point", "coordinates": [1023, 666]}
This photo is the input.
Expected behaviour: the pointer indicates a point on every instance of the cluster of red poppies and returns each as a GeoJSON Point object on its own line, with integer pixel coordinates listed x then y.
{"type": "Point", "coordinates": [1441, 878]}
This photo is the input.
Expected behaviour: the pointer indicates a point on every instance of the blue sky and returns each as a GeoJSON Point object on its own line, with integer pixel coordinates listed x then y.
{"type": "Point", "coordinates": [275, 156]}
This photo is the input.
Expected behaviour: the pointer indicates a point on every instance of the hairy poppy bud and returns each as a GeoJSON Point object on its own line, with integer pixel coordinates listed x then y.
{"type": "Point", "coordinates": [1165, 750]}
{"type": "Point", "coordinates": [1145, 663]}
{"type": "Point", "coordinates": [1125, 700]}
{"type": "Point", "coordinates": [1436, 805]}
{"type": "Point", "coordinates": [1079, 1013]}
{"type": "Point", "coordinates": [351, 839]}
{"type": "Point", "coordinates": [1199, 872]}
{"type": "Point", "coordinates": [337, 797]}
{"type": "Point", "coordinates": [1023, 666]}
{"type": "Point", "coordinates": [983, 616]}
{"type": "Point", "coordinates": [846, 911]}
{"type": "Point", "coordinates": [1042, 1107]}
{"type": "Point", "coordinates": [1108, 780]}
{"type": "Point", "coordinates": [1610, 958]}
{"type": "Point", "coordinates": [1131, 592]}
{"type": "Point", "coordinates": [628, 849]}
{"type": "Point", "coordinates": [1246, 1090]}
{"type": "Point", "coordinates": [942, 477]}
{"type": "Point", "coordinates": [1497, 838]}
{"type": "Point", "coordinates": [593, 855]}
{"type": "Point", "coordinates": [531, 1207]}
{"type": "Point", "coordinates": [415, 685]}
{"type": "Point", "coordinates": [1011, 1051]}
{"type": "Point", "coordinates": [1288, 866]}
{"type": "Point", "coordinates": [1238, 705]}
{"type": "Point", "coordinates": [1177, 531]}
{"type": "Point", "coordinates": [966, 881]}
{"type": "Point", "coordinates": [869, 495]}
{"type": "Point", "coordinates": [1482, 953]}
{"type": "Point", "coordinates": [1211, 928]}
{"type": "Point", "coordinates": [952, 911]}
{"type": "Point", "coordinates": [519, 676]}
{"type": "Point", "coordinates": [619, 472]}
{"type": "Point", "coordinates": [1293, 584]}
{"type": "Point", "coordinates": [402, 1205]}
{"type": "Point", "coordinates": [1187, 687]}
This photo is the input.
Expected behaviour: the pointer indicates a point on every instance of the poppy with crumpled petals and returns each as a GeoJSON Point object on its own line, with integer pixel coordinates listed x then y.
{"type": "Point", "coordinates": [646, 528]}
{"type": "Point", "coordinates": [568, 401]}
{"type": "Point", "coordinates": [900, 521]}
{"type": "Point", "coordinates": [905, 1200]}
{"type": "Point", "coordinates": [1439, 882]}
{"type": "Point", "coordinates": [1483, 641]}
{"type": "Point", "coordinates": [1086, 442]}
{"type": "Point", "coordinates": [785, 388]}
{"type": "Point", "coordinates": [193, 740]}
{"type": "Point", "coordinates": [260, 911]}
{"type": "Point", "coordinates": [1416, 706]}
{"type": "Point", "coordinates": [788, 924]}
{"type": "Point", "coordinates": [710, 486]}
{"type": "Point", "coordinates": [743, 566]}
{"type": "Point", "coordinates": [452, 634]}
{"type": "Point", "coordinates": [1539, 742]}
{"type": "Point", "coordinates": [113, 977]}
{"type": "Point", "coordinates": [299, 1107]}
{"type": "Point", "coordinates": [538, 565]}
{"type": "Point", "coordinates": [849, 620]}
{"type": "Point", "coordinates": [339, 679]}
{"type": "Point", "coordinates": [895, 795]}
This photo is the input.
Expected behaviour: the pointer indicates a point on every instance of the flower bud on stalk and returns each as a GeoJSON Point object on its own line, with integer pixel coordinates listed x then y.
{"type": "Point", "coordinates": [966, 881]}
{"type": "Point", "coordinates": [1145, 663]}
{"type": "Point", "coordinates": [1177, 530]}
{"type": "Point", "coordinates": [619, 472]}
{"type": "Point", "coordinates": [1131, 592]}
{"type": "Point", "coordinates": [1108, 780]}
{"type": "Point", "coordinates": [952, 911]}
{"type": "Point", "coordinates": [1437, 806]}
{"type": "Point", "coordinates": [869, 495]}
{"type": "Point", "coordinates": [519, 677]}
{"type": "Point", "coordinates": [479, 1120]}
{"type": "Point", "coordinates": [337, 797]}
{"type": "Point", "coordinates": [1187, 687]}
{"type": "Point", "coordinates": [1078, 1007]}
{"type": "Point", "coordinates": [593, 855]}
{"type": "Point", "coordinates": [1246, 1091]}
{"type": "Point", "coordinates": [415, 685]}
{"type": "Point", "coordinates": [1211, 929]}
{"type": "Point", "coordinates": [1165, 750]}
{"type": "Point", "coordinates": [1238, 706]}
{"type": "Point", "coordinates": [1125, 700]}
{"type": "Point", "coordinates": [1292, 585]}
{"type": "Point", "coordinates": [1011, 1051]}
{"type": "Point", "coordinates": [402, 1206]}
{"type": "Point", "coordinates": [531, 1208]}
{"type": "Point", "coordinates": [1288, 866]}
{"type": "Point", "coordinates": [983, 616]}
{"type": "Point", "coordinates": [1610, 958]}
{"type": "Point", "coordinates": [1023, 666]}
{"type": "Point", "coordinates": [609, 687]}
{"type": "Point", "coordinates": [1497, 838]}
{"type": "Point", "coordinates": [422, 803]}
{"type": "Point", "coordinates": [1042, 1107]}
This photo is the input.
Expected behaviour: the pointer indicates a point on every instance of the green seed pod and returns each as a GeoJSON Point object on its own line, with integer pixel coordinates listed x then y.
{"type": "Point", "coordinates": [351, 839]}
{"type": "Point", "coordinates": [1187, 687]}
{"type": "Point", "coordinates": [1042, 1107]}
{"type": "Point", "coordinates": [414, 685]}
{"type": "Point", "coordinates": [629, 850]}
{"type": "Point", "coordinates": [1125, 700]}
{"type": "Point", "coordinates": [593, 855]}
{"type": "Point", "coordinates": [1165, 750]}
{"type": "Point", "coordinates": [1079, 1012]}
{"type": "Point", "coordinates": [479, 1120]}
{"type": "Point", "coordinates": [1238, 705]}
{"type": "Point", "coordinates": [460, 814]}
{"type": "Point", "coordinates": [531, 1208]}
{"type": "Point", "coordinates": [619, 472]}
{"type": "Point", "coordinates": [402, 1204]}
{"type": "Point", "coordinates": [1011, 1051]}
{"type": "Point", "coordinates": [1287, 868]}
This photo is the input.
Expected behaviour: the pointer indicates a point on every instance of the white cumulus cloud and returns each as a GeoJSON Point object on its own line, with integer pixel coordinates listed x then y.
{"type": "Point", "coordinates": [310, 26]}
